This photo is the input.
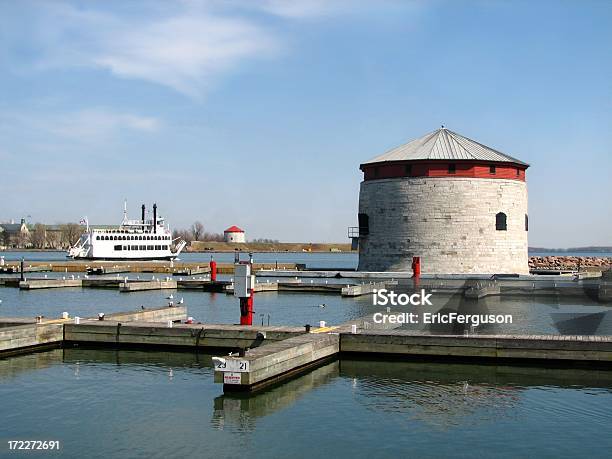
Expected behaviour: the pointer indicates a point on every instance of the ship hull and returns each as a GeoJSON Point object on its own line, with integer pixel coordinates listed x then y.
{"type": "Point", "coordinates": [161, 258]}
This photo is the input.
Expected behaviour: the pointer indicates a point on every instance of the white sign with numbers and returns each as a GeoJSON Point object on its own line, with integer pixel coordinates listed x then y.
{"type": "Point", "coordinates": [231, 365]}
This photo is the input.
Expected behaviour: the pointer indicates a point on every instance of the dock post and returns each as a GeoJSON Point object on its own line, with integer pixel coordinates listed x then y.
{"type": "Point", "coordinates": [244, 283]}
{"type": "Point", "coordinates": [21, 264]}
{"type": "Point", "coordinates": [213, 269]}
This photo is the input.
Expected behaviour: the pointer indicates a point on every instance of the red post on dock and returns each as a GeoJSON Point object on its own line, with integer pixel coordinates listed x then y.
{"type": "Point", "coordinates": [213, 270]}
{"type": "Point", "coordinates": [246, 310]}
{"type": "Point", "coordinates": [416, 266]}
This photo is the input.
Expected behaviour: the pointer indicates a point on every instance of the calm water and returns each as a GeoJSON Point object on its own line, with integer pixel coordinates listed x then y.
{"type": "Point", "coordinates": [531, 315]}
{"type": "Point", "coordinates": [162, 405]}
{"type": "Point", "coordinates": [107, 403]}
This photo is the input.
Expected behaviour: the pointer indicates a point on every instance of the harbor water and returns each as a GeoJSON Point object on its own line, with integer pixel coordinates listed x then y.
{"type": "Point", "coordinates": [106, 403]}
{"type": "Point", "coordinates": [153, 404]}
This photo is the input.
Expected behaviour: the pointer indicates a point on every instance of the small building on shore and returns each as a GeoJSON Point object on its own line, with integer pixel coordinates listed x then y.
{"type": "Point", "coordinates": [15, 235]}
{"type": "Point", "coordinates": [234, 234]}
{"type": "Point", "coordinates": [457, 204]}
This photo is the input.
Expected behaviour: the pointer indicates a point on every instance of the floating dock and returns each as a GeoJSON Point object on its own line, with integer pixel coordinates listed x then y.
{"type": "Point", "coordinates": [101, 270]}
{"type": "Point", "coordinates": [157, 284]}
{"type": "Point", "coordinates": [20, 338]}
{"type": "Point", "coordinates": [15, 269]}
{"type": "Point", "coordinates": [33, 284]}
{"type": "Point", "coordinates": [186, 271]}
{"type": "Point", "coordinates": [133, 266]}
{"type": "Point", "coordinates": [270, 355]}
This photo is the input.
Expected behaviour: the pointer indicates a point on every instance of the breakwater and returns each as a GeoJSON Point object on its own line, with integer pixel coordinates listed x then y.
{"type": "Point", "coordinates": [573, 263]}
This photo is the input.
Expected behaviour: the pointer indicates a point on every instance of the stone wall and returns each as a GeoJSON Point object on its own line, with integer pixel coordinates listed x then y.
{"type": "Point", "coordinates": [449, 222]}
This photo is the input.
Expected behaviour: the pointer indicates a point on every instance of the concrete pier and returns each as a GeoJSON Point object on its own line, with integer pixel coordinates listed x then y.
{"type": "Point", "coordinates": [32, 284]}
{"type": "Point", "coordinates": [269, 364]}
{"type": "Point", "coordinates": [133, 266]}
{"type": "Point", "coordinates": [193, 271]}
{"type": "Point", "coordinates": [187, 336]}
{"type": "Point", "coordinates": [101, 270]}
{"type": "Point", "coordinates": [27, 337]}
{"type": "Point", "coordinates": [157, 284]}
{"type": "Point", "coordinates": [481, 289]}
{"type": "Point", "coordinates": [492, 347]}
{"type": "Point", "coordinates": [365, 289]}
{"type": "Point", "coordinates": [605, 287]}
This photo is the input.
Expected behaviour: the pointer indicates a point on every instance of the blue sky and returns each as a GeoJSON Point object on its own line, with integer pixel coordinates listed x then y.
{"type": "Point", "coordinates": [258, 113]}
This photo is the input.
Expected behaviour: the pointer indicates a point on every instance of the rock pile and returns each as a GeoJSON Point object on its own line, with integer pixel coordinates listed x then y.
{"type": "Point", "coordinates": [559, 262]}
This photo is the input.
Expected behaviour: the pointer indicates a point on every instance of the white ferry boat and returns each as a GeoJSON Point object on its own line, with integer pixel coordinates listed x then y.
{"type": "Point", "coordinates": [132, 240]}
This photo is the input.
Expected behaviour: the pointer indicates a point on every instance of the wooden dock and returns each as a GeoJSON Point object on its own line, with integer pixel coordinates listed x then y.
{"type": "Point", "coordinates": [102, 270]}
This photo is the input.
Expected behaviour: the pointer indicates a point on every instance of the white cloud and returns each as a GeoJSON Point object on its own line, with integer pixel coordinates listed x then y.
{"type": "Point", "coordinates": [91, 125]}
{"type": "Point", "coordinates": [186, 46]}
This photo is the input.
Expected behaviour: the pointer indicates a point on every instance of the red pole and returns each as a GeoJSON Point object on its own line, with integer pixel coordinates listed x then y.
{"type": "Point", "coordinates": [416, 271]}
{"type": "Point", "coordinates": [246, 310]}
{"type": "Point", "coordinates": [416, 266]}
{"type": "Point", "coordinates": [213, 270]}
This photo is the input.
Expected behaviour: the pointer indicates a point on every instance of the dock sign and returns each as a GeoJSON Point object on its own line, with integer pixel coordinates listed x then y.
{"type": "Point", "coordinates": [231, 365]}
{"type": "Point", "coordinates": [231, 378]}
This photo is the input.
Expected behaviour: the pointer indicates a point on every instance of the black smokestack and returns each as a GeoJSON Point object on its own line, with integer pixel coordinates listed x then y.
{"type": "Point", "coordinates": [155, 218]}
{"type": "Point", "coordinates": [143, 217]}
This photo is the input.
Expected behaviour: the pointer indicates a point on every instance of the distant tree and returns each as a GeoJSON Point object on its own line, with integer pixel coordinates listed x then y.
{"type": "Point", "coordinates": [197, 231]}
{"type": "Point", "coordinates": [182, 234]}
{"type": "Point", "coordinates": [265, 241]}
{"type": "Point", "coordinates": [54, 239]}
{"type": "Point", "coordinates": [213, 237]}
{"type": "Point", "coordinates": [38, 237]}
{"type": "Point", "coordinates": [70, 233]}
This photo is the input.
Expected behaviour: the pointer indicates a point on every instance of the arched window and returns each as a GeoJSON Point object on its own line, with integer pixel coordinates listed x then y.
{"type": "Point", "coordinates": [500, 222]}
{"type": "Point", "coordinates": [526, 222]}
{"type": "Point", "coordinates": [97, 238]}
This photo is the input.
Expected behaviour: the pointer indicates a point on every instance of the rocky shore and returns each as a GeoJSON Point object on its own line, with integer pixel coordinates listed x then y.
{"type": "Point", "coordinates": [559, 262]}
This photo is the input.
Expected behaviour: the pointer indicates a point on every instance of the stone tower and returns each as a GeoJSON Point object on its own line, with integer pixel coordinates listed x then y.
{"type": "Point", "coordinates": [459, 205]}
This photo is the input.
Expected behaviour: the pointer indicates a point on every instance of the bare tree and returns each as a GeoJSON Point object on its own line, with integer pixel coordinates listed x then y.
{"type": "Point", "coordinates": [183, 234]}
{"type": "Point", "coordinates": [70, 234]}
{"type": "Point", "coordinates": [197, 230]}
{"type": "Point", "coordinates": [213, 237]}
{"type": "Point", "coordinates": [38, 238]}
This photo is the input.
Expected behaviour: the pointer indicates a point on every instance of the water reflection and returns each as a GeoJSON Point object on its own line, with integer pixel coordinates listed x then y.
{"type": "Point", "coordinates": [242, 410]}
{"type": "Point", "coordinates": [532, 314]}
{"type": "Point", "coordinates": [151, 404]}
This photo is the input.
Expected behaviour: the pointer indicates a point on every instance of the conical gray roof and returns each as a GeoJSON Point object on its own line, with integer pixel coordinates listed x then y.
{"type": "Point", "coordinates": [446, 145]}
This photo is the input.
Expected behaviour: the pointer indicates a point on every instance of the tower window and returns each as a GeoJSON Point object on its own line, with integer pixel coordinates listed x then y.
{"type": "Point", "coordinates": [452, 168]}
{"type": "Point", "coordinates": [408, 170]}
{"type": "Point", "coordinates": [364, 224]}
{"type": "Point", "coordinates": [492, 170]}
{"type": "Point", "coordinates": [376, 172]}
{"type": "Point", "coordinates": [526, 222]}
{"type": "Point", "coordinates": [518, 172]}
{"type": "Point", "coordinates": [500, 222]}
